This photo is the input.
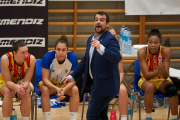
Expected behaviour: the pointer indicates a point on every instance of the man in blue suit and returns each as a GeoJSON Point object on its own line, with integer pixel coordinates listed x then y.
{"type": "Point", "coordinates": [100, 68]}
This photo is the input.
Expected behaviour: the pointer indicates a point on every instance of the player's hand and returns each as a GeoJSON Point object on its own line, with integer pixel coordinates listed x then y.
{"type": "Point", "coordinates": [95, 43]}
{"type": "Point", "coordinates": [60, 94]}
{"type": "Point", "coordinates": [23, 87]}
{"type": "Point", "coordinates": [162, 66]}
{"type": "Point", "coordinates": [159, 69]}
{"type": "Point", "coordinates": [20, 90]}
{"type": "Point", "coordinates": [66, 80]}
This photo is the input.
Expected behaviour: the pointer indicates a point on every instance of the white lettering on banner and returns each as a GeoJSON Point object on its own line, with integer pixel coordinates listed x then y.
{"type": "Point", "coordinates": [30, 41]}
{"type": "Point", "coordinates": [28, 21]}
{"type": "Point", "coordinates": [22, 2]}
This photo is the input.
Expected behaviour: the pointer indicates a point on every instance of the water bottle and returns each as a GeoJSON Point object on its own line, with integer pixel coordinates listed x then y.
{"type": "Point", "coordinates": [166, 103]}
{"type": "Point", "coordinates": [128, 44]}
{"type": "Point", "coordinates": [13, 115]}
{"type": "Point", "coordinates": [113, 115]}
{"type": "Point", "coordinates": [129, 109]}
{"type": "Point", "coordinates": [124, 40]}
{"type": "Point", "coordinates": [131, 100]}
{"type": "Point", "coordinates": [120, 36]}
{"type": "Point", "coordinates": [38, 100]}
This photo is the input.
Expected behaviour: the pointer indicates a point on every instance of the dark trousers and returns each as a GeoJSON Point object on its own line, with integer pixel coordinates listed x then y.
{"type": "Point", "coordinates": [98, 106]}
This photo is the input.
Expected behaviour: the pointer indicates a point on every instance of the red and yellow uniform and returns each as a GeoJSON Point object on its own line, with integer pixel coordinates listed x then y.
{"type": "Point", "coordinates": [152, 61]}
{"type": "Point", "coordinates": [17, 72]}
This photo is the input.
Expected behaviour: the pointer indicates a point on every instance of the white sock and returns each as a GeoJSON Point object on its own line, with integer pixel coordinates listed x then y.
{"type": "Point", "coordinates": [149, 115]}
{"type": "Point", "coordinates": [173, 116]}
{"type": "Point", "coordinates": [123, 117]}
{"type": "Point", "coordinates": [47, 115]}
{"type": "Point", "coordinates": [6, 118]}
{"type": "Point", "coordinates": [25, 118]}
{"type": "Point", "coordinates": [73, 115]}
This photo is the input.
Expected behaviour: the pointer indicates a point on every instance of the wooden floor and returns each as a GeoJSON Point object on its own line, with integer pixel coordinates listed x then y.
{"type": "Point", "coordinates": [63, 113]}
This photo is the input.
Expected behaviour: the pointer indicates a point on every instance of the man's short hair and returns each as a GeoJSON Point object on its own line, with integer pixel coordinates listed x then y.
{"type": "Point", "coordinates": [103, 13]}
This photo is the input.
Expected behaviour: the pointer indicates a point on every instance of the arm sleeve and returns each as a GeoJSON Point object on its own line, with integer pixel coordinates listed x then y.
{"type": "Point", "coordinates": [72, 79]}
{"type": "Point", "coordinates": [79, 70]}
{"type": "Point", "coordinates": [101, 49]}
{"type": "Point", "coordinates": [46, 61]}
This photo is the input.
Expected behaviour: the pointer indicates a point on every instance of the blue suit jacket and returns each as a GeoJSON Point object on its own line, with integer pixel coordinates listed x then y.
{"type": "Point", "coordinates": [104, 67]}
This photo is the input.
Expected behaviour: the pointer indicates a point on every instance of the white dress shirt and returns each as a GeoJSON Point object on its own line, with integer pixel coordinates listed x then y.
{"type": "Point", "coordinates": [91, 50]}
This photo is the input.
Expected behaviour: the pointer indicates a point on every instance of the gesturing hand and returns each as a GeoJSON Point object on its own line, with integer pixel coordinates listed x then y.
{"type": "Point", "coordinates": [95, 43]}
{"type": "Point", "coordinates": [66, 80]}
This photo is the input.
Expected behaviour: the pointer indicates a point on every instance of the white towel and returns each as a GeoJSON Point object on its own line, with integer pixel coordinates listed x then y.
{"type": "Point", "coordinates": [174, 73]}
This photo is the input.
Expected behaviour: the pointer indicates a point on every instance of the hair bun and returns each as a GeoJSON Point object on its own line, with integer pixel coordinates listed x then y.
{"type": "Point", "coordinates": [155, 31]}
{"type": "Point", "coordinates": [63, 37]}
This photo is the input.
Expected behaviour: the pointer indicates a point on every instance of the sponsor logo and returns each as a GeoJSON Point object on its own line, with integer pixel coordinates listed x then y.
{"type": "Point", "coordinates": [28, 21]}
{"type": "Point", "coordinates": [160, 59]}
{"type": "Point", "coordinates": [66, 70]}
{"type": "Point", "coordinates": [19, 70]}
{"type": "Point", "coordinates": [30, 41]}
{"type": "Point", "coordinates": [22, 3]}
{"type": "Point", "coordinates": [154, 59]}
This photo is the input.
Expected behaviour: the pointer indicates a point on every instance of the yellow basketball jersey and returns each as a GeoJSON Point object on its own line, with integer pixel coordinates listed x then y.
{"type": "Point", "coordinates": [17, 72]}
{"type": "Point", "coordinates": [153, 60]}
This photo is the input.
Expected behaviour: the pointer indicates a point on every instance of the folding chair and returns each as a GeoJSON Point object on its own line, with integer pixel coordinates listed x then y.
{"type": "Point", "coordinates": [86, 94]}
{"type": "Point", "coordinates": [117, 98]}
{"type": "Point", "coordinates": [127, 84]}
{"type": "Point", "coordinates": [137, 76]}
{"type": "Point", "coordinates": [38, 71]}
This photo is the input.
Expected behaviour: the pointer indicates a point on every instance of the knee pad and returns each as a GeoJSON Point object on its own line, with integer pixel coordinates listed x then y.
{"type": "Point", "coordinates": [171, 90]}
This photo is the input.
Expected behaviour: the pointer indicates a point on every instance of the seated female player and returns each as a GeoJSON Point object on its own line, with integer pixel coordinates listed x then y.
{"type": "Point", "coordinates": [56, 65]}
{"type": "Point", "coordinates": [154, 62]}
